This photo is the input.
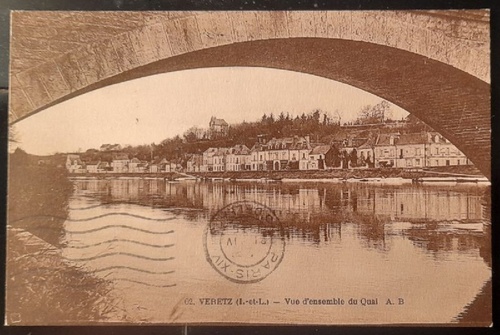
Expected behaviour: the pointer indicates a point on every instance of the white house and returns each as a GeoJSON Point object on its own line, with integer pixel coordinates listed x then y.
{"type": "Point", "coordinates": [120, 163]}
{"type": "Point", "coordinates": [238, 158]}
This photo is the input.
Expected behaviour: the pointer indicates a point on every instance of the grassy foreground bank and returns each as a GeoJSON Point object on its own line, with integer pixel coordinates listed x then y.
{"type": "Point", "coordinates": [38, 199]}
{"type": "Point", "coordinates": [41, 287]}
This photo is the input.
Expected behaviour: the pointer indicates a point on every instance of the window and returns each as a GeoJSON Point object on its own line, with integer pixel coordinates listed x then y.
{"type": "Point", "coordinates": [417, 162]}
{"type": "Point", "coordinates": [418, 152]}
{"type": "Point", "coordinates": [447, 162]}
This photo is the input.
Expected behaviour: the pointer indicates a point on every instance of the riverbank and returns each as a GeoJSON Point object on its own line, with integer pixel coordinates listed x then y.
{"type": "Point", "coordinates": [42, 287]}
{"type": "Point", "coordinates": [351, 174]}
{"type": "Point", "coordinates": [436, 172]}
{"type": "Point", "coordinates": [38, 199]}
{"type": "Point", "coordinates": [155, 175]}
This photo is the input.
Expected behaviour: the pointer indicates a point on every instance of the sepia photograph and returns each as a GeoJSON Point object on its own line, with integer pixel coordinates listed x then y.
{"type": "Point", "coordinates": [249, 168]}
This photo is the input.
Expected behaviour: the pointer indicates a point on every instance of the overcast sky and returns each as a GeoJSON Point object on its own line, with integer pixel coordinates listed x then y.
{"type": "Point", "coordinates": [150, 109]}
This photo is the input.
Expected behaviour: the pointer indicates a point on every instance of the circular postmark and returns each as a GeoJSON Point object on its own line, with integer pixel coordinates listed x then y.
{"type": "Point", "coordinates": [243, 242]}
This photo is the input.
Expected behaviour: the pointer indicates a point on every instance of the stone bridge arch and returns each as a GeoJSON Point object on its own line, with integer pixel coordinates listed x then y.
{"type": "Point", "coordinates": [434, 64]}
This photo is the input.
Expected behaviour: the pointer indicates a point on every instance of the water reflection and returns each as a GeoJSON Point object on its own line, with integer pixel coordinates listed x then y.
{"type": "Point", "coordinates": [315, 212]}
{"type": "Point", "coordinates": [412, 237]}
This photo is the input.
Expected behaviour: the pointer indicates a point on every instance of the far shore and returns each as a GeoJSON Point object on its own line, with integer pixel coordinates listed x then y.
{"type": "Point", "coordinates": [458, 174]}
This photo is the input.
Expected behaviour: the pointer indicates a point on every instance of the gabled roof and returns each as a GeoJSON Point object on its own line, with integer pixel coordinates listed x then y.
{"type": "Point", "coordinates": [385, 139]}
{"type": "Point", "coordinates": [257, 147]}
{"type": "Point", "coordinates": [211, 151]}
{"type": "Point", "coordinates": [217, 122]}
{"type": "Point", "coordinates": [217, 151]}
{"type": "Point", "coordinates": [368, 143]}
{"type": "Point", "coordinates": [432, 135]}
{"type": "Point", "coordinates": [135, 160]}
{"type": "Point", "coordinates": [408, 139]}
{"type": "Point", "coordinates": [415, 138]}
{"type": "Point", "coordinates": [320, 149]}
{"type": "Point", "coordinates": [239, 149]}
{"type": "Point", "coordinates": [290, 143]}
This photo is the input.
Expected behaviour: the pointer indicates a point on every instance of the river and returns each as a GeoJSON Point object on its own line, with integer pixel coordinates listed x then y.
{"type": "Point", "coordinates": [404, 254]}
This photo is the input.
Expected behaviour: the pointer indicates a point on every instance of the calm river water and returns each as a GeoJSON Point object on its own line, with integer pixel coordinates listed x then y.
{"type": "Point", "coordinates": [427, 249]}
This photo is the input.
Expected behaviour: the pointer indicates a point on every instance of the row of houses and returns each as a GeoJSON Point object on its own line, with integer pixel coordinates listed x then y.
{"type": "Point", "coordinates": [120, 163]}
{"type": "Point", "coordinates": [414, 150]}
{"type": "Point", "coordinates": [289, 153]}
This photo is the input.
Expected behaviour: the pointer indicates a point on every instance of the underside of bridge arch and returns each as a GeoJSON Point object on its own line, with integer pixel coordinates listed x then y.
{"type": "Point", "coordinates": [451, 101]}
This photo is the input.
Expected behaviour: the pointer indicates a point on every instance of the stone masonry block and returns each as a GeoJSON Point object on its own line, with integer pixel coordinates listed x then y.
{"type": "Point", "coordinates": [214, 30]}
{"type": "Point", "coordinates": [70, 70]}
{"type": "Point", "coordinates": [19, 104]}
{"type": "Point", "coordinates": [32, 85]}
{"type": "Point", "coordinates": [245, 26]}
{"type": "Point", "coordinates": [108, 62]}
{"type": "Point", "coordinates": [159, 41]}
{"type": "Point", "coordinates": [142, 46]}
{"type": "Point", "coordinates": [53, 80]}
{"type": "Point", "coordinates": [273, 25]}
{"type": "Point", "coordinates": [294, 24]}
{"type": "Point", "coordinates": [183, 35]}
{"type": "Point", "coordinates": [127, 58]}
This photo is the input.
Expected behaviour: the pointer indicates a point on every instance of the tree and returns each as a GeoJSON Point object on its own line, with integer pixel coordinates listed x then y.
{"type": "Point", "coordinates": [414, 124]}
{"type": "Point", "coordinates": [374, 114]}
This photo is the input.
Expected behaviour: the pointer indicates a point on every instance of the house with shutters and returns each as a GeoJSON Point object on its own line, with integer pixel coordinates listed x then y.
{"type": "Point", "coordinates": [238, 158]}
{"type": "Point", "coordinates": [288, 153]}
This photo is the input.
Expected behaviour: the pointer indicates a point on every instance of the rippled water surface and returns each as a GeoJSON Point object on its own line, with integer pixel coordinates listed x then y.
{"type": "Point", "coordinates": [426, 249]}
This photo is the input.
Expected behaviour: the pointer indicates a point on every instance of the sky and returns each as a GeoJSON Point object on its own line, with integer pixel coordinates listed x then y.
{"type": "Point", "coordinates": [150, 109]}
